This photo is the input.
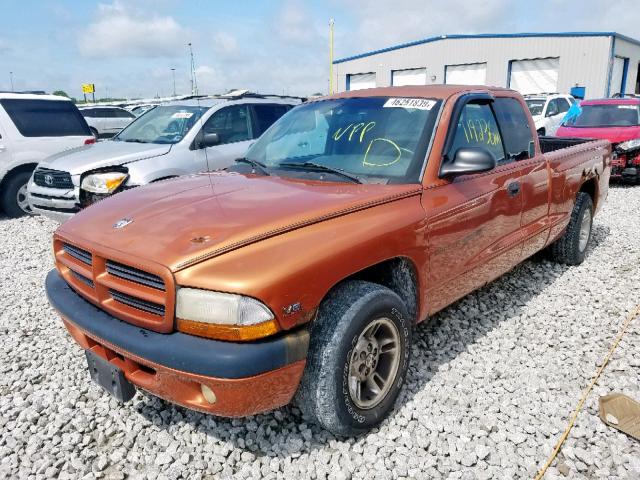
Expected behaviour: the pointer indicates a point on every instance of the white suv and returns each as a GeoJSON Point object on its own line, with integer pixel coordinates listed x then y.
{"type": "Point", "coordinates": [548, 110]}
{"type": "Point", "coordinates": [173, 139]}
{"type": "Point", "coordinates": [105, 122]}
{"type": "Point", "coordinates": [33, 127]}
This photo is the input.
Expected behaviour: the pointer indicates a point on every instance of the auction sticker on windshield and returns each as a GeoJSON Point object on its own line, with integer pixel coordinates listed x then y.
{"type": "Point", "coordinates": [182, 115]}
{"type": "Point", "coordinates": [417, 103]}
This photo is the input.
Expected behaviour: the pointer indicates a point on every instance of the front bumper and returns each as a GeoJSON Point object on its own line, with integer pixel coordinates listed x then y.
{"type": "Point", "coordinates": [246, 378]}
{"type": "Point", "coordinates": [55, 203]}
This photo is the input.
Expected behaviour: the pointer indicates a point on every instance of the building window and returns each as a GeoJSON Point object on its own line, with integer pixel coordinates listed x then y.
{"type": "Point", "coordinates": [358, 81]}
{"type": "Point", "coordinates": [409, 76]}
{"type": "Point", "coordinates": [537, 75]}
{"type": "Point", "coordinates": [467, 74]}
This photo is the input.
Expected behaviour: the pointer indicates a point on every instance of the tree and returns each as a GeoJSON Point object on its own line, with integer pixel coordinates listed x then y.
{"type": "Point", "coordinates": [61, 93]}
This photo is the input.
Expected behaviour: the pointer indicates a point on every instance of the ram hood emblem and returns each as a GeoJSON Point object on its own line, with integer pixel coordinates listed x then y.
{"type": "Point", "coordinates": [122, 223]}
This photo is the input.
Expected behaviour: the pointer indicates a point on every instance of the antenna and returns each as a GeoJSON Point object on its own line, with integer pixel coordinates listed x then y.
{"type": "Point", "coordinates": [194, 83]}
{"type": "Point", "coordinates": [331, 22]}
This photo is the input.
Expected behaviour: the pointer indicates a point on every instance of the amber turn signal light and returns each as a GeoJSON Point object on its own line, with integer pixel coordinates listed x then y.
{"type": "Point", "coordinates": [233, 333]}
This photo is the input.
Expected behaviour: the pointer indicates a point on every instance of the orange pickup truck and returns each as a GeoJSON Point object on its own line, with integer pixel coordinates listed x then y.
{"type": "Point", "coordinates": [303, 269]}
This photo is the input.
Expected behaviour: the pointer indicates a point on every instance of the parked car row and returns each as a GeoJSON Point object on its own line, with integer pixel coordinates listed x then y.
{"type": "Point", "coordinates": [168, 141]}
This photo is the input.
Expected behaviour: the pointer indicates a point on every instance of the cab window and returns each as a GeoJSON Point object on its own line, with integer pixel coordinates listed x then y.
{"type": "Point", "coordinates": [514, 125]}
{"type": "Point", "coordinates": [232, 124]}
{"type": "Point", "coordinates": [477, 128]}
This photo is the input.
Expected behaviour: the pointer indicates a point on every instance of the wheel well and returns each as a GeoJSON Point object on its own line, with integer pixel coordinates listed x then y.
{"type": "Point", "coordinates": [397, 274]}
{"type": "Point", "coordinates": [27, 167]}
{"type": "Point", "coordinates": [590, 187]}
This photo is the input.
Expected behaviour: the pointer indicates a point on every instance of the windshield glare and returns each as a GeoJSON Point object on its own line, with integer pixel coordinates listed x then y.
{"type": "Point", "coordinates": [606, 116]}
{"type": "Point", "coordinates": [535, 107]}
{"type": "Point", "coordinates": [377, 139]}
{"type": "Point", "coordinates": [163, 124]}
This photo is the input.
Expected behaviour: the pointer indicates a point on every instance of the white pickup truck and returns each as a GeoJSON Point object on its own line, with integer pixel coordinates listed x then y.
{"type": "Point", "coordinates": [548, 110]}
{"type": "Point", "coordinates": [174, 139]}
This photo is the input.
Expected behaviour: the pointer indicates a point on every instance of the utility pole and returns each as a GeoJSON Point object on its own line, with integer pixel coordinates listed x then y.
{"type": "Point", "coordinates": [173, 73]}
{"type": "Point", "coordinates": [331, 22]}
{"type": "Point", "coordinates": [11, 80]}
{"type": "Point", "coordinates": [194, 83]}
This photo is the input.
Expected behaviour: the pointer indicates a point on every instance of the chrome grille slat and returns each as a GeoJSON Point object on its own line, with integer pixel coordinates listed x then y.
{"type": "Point", "coordinates": [135, 275]}
{"type": "Point", "coordinates": [77, 253]}
{"type": "Point", "coordinates": [57, 178]}
{"type": "Point", "coordinates": [138, 303]}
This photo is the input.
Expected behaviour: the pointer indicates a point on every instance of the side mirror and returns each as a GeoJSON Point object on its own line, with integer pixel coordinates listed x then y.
{"type": "Point", "coordinates": [467, 161]}
{"type": "Point", "coordinates": [208, 140]}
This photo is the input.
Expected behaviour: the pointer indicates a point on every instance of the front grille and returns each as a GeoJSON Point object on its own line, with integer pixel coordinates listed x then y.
{"type": "Point", "coordinates": [77, 253]}
{"type": "Point", "coordinates": [138, 303]}
{"type": "Point", "coordinates": [83, 279]}
{"type": "Point", "coordinates": [133, 295]}
{"type": "Point", "coordinates": [45, 177]}
{"type": "Point", "coordinates": [134, 275]}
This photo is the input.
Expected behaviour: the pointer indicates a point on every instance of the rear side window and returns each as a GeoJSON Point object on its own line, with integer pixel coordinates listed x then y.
{"type": "Point", "coordinates": [477, 128]}
{"type": "Point", "coordinates": [266, 115]}
{"type": "Point", "coordinates": [514, 126]}
{"type": "Point", "coordinates": [123, 114]}
{"type": "Point", "coordinates": [46, 118]}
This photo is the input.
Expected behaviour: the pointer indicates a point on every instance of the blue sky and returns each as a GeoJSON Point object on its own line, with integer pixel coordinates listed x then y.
{"type": "Point", "coordinates": [127, 47]}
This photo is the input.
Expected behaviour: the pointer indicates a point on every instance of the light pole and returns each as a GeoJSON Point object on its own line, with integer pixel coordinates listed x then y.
{"type": "Point", "coordinates": [173, 73]}
{"type": "Point", "coordinates": [11, 79]}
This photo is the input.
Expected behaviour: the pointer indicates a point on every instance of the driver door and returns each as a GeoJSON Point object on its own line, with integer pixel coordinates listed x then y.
{"type": "Point", "coordinates": [473, 220]}
{"type": "Point", "coordinates": [234, 129]}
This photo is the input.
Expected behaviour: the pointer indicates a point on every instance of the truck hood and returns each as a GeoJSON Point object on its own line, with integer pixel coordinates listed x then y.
{"type": "Point", "coordinates": [102, 154]}
{"type": "Point", "coordinates": [613, 134]}
{"type": "Point", "coordinates": [179, 222]}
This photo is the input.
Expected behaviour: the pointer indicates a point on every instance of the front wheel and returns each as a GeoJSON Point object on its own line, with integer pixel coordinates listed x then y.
{"type": "Point", "coordinates": [14, 195]}
{"type": "Point", "coordinates": [571, 248]}
{"type": "Point", "coordinates": [358, 358]}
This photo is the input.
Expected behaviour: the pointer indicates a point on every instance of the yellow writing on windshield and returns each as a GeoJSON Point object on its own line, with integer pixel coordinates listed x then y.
{"type": "Point", "coordinates": [353, 128]}
{"type": "Point", "coordinates": [394, 145]}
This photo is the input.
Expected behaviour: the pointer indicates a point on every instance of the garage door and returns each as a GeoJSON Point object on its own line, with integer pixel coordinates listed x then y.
{"type": "Point", "coordinates": [358, 81]}
{"type": "Point", "coordinates": [539, 75]}
{"type": "Point", "coordinates": [469, 74]}
{"type": "Point", "coordinates": [411, 76]}
{"type": "Point", "coordinates": [616, 76]}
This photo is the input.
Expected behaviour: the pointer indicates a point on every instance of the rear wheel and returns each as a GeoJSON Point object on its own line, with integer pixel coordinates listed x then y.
{"type": "Point", "coordinates": [94, 132]}
{"type": "Point", "coordinates": [14, 195]}
{"type": "Point", "coordinates": [358, 358]}
{"type": "Point", "coordinates": [571, 248]}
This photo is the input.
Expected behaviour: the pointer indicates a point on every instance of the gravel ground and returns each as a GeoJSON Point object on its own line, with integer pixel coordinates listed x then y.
{"type": "Point", "coordinates": [493, 381]}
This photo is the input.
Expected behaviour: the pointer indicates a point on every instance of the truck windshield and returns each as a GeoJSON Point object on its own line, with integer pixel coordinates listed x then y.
{"type": "Point", "coordinates": [535, 107]}
{"type": "Point", "coordinates": [163, 124]}
{"type": "Point", "coordinates": [374, 139]}
{"type": "Point", "coordinates": [610, 115]}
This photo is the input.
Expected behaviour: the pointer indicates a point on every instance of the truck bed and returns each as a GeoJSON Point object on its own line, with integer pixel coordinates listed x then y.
{"type": "Point", "coordinates": [551, 144]}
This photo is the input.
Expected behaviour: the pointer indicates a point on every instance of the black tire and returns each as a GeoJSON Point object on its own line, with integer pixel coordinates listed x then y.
{"type": "Point", "coordinates": [324, 393]}
{"type": "Point", "coordinates": [542, 132]}
{"type": "Point", "coordinates": [94, 132]}
{"type": "Point", "coordinates": [567, 249]}
{"type": "Point", "coordinates": [13, 195]}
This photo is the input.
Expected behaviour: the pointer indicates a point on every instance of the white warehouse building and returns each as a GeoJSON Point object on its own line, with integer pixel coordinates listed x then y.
{"type": "Point", "coordinates": [593, 64]}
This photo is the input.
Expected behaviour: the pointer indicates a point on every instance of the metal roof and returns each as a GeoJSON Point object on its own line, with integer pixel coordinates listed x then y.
{"type": "Point", "coordinates": [489, 35]}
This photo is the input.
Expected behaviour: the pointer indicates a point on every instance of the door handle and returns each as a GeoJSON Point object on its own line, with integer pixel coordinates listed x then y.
{"type": "Point", "coordinates": [513, 189]}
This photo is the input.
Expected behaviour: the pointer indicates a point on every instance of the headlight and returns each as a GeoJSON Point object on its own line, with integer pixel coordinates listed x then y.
{"type": "Point", "coordinates": [105, 183]}
{"type": "Point", "coordinates": [223, 316]}
{"type": "Point", "coordinates": [628, 145]}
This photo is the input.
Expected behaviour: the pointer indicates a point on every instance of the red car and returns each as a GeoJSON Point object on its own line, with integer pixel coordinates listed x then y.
{"type": "Point", "coordinates": [613, 119]}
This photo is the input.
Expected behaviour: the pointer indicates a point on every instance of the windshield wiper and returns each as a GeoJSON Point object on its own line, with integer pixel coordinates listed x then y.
{"type": "Point", "coordinates": [322, 168]}
{"type": "Point", "coordinates": [255, 164]}
{"type": "Point", "coordinates": [135, 140]}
